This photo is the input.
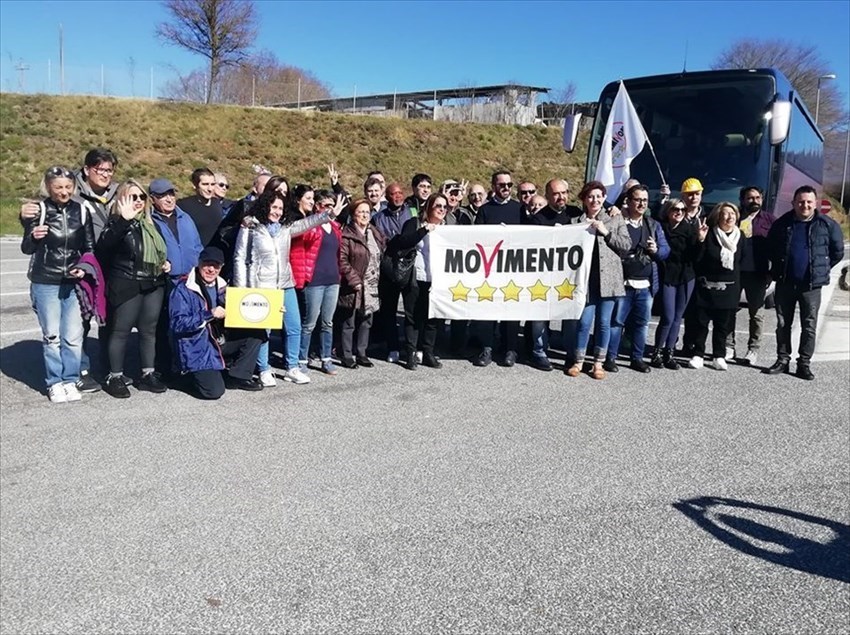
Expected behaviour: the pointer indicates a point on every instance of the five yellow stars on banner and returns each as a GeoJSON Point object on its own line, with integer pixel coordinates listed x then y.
{"type": "Point", "coordinates": [486, 292]}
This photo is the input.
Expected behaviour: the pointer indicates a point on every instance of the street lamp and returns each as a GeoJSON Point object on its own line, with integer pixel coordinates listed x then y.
{"type": "Point", "coordinates": [817, 99]}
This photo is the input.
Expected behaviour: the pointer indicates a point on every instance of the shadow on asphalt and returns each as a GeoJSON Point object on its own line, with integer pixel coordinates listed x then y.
{"type": "Point", "coordinates": [23, 362]}
{"type": "Point", "coordinates": [730, 521]}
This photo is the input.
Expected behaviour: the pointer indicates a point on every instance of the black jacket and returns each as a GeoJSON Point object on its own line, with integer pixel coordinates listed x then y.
{"type": "Point", "coordinates": [678, 268]}
{"type": "Point", "coordinates": [69, 236]}
{"type": "Point", "coordinates": [716, 287]}
{"type": "Point", "coordinates": [119, 250]}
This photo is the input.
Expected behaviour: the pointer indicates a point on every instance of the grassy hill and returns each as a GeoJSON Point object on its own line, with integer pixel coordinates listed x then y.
{"type": "Point", "coordinates": [155, 139]}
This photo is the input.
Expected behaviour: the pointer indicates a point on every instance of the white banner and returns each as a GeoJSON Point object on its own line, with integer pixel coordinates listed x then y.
{"type": "Point", "coordinates": [497, 272]}
{"type": "Point", "coordinates": [624, 139]}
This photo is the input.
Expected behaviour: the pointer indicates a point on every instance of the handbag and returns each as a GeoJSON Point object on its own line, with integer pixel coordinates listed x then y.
{"type": "Point", "coordinates": [399, 267]}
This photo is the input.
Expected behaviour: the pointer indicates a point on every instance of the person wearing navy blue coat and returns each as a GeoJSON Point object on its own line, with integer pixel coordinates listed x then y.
{"type": "Point", "coordinates": [203, 347]}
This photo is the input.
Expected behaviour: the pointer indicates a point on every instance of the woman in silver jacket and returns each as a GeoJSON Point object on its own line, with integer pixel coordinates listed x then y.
{"type": "Point", "coordinates": [261, 260]}
{"type": "Point", "coordinates": [604, 285]}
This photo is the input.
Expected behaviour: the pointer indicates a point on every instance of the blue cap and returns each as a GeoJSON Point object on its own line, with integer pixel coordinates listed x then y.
{"type": "Point", "coordinates": [211, 254]}
{"type": "Point", "coordinates": [161, 186]}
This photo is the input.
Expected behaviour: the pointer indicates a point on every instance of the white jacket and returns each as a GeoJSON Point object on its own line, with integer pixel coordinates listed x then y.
{"type": "Point", "coordinates": [261, 261]}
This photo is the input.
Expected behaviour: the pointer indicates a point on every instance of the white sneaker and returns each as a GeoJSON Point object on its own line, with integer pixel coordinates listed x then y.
{"type": "Point", "coordinates": [71, 392]}
{"type": "Point", "coordinates": [267, 379]}
{"type": "Point", "coordinates": [392, 358]}
{"type": "Point", "coordinates": [296, 376]}
{"type": "Point", "coordinates": [56, 394]}
{"type": "Point", "coordinates": [419, 356]}
{"type": "Point", "coordinates": [751, 357]}
{"type": "Point", "coordinates": [720, 364]}
{"type": "Point", "coordinates": [696, 362]}
{"type": "Point", "coordinates": [730, 353]}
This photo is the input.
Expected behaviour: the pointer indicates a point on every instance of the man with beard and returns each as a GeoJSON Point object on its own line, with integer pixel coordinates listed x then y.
{"type": "Point", "coordinates": [556, 212]}
{"type": "Point", "coordinates": [755, 264]}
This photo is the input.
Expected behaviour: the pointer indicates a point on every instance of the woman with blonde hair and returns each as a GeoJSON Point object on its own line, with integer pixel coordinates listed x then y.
{"type": "Point", "coordinates": [718, 274]}
{"type": "Point", "coordinates": [56, 239]}
{"type": "Point", "coordinates": [133, 256]}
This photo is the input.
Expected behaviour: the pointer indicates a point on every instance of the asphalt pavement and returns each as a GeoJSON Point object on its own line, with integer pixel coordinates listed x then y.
{"type": "Point", "coordinates": [452, 500]}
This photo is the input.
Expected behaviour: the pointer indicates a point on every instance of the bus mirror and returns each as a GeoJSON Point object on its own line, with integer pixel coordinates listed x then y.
{"type": "Point", "coordinates": [780, 121]}
{"type": "Point", "coordinates": [571, 125]}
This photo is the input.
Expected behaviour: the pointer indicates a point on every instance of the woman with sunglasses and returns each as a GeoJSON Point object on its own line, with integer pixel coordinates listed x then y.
{"type": "Point", "coordinates": [261, 260]}
{"type": "Point", "coordinates": [56, 239]}
{"type": "Point", "coordinates": [314, 256]}
{"type": "Point", "coordinates": [133, 253]}
{"type": "Point", "coordinates": [677, 280]}
{"type": "Point", "coordinates": [419, 331]}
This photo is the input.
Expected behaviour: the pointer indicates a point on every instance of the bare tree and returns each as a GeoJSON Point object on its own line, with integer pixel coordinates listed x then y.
{"type": "Point", "coordinates": [220, 30]}
{"type": "Point", "coordinates": [802, 64]}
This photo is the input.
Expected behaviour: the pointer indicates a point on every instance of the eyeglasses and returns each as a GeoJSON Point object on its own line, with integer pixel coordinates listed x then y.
{"type": "Point", "coordinates": [223, 186]}
{"type": "Point", "coordinates": [641, 201]}
{"type": "Point", "coordinates": [506, 185]}
{"type": "Point", "coordinates": [527, 192]}
{"type": "Point", "coordinates": [58, 171]}
{"type": "Point", "coordinates": [139, 197]}
{"type": "Point", "coordinates": [103, 171]}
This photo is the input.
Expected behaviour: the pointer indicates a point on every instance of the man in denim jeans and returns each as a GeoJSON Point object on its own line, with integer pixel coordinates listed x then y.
{"type": "Point", "coordinates": [640, 274]}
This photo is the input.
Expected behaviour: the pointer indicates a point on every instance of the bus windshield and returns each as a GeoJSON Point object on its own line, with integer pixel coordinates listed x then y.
{"type": "Point", "coordinates": [713, 129]}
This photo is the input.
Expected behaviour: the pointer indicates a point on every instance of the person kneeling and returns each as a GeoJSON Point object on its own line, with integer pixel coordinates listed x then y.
{"type": "Point", "coordinates": [204, 347]}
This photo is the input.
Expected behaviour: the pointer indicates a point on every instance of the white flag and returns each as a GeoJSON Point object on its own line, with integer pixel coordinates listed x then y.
{"type": "Point", "coordinates": [624, 139]}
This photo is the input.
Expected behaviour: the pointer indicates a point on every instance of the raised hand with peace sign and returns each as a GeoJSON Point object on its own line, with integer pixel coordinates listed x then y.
{"type": "Point", "coordinates": [702, 229]}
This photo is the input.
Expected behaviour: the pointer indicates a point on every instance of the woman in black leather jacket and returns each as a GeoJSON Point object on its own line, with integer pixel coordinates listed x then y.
{"type": "Point", "coordinates": [56, 239]}
{"type": "Point", "coordinates": [132, 254]}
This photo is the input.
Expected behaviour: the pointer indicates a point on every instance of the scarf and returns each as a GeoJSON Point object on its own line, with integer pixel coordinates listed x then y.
{"type": "Point", "coordinates": [153, 246]}
{"type": "Point", "coordinates": [728, 245]}
{"type": "Point", "coordinates": [274, 229]}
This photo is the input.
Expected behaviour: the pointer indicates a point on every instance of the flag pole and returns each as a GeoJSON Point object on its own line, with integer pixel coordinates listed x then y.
{"type": "Point", "coordinates": [657, 164]}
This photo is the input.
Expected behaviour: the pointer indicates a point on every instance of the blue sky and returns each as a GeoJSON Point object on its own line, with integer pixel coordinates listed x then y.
{"type": "Point", "coordinates": [386, 46]}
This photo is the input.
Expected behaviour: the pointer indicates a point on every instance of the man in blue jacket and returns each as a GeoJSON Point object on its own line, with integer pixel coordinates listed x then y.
{"type": "Point", "coordinates": [803, 246]}
{"type": "Point", "coordinates": [182, 245]}
{"type": "Point", "coordinates": [204, 347]}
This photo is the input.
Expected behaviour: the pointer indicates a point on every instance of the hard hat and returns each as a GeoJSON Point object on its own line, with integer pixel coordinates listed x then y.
{"type": "Point", "coordinates": [691, 185]}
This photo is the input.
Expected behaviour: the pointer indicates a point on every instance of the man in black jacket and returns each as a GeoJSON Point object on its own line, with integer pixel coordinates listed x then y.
{"type": "Point", "coordinates": [500, 210]}
{"type": "Point", "coordinates": [803, 245]}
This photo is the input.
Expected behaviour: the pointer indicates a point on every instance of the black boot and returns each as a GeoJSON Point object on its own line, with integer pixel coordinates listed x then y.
{"type": "Point", "coordinates": [668, 359]}
{"type": "Point", "coordinates": [656, 361]}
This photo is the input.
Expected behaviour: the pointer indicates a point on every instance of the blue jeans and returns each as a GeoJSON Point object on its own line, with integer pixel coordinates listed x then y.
{"type": "Point", "coordinates": [674, 299]}
{"type": "Point", "coordinates": [291, 328]}
{"type": "Point", "coordinates": [637, 305]}
{"type": "Point", "coordinates": [539, 339]}
{"type": "Point", "coordinates": [600, 312]}
{"type": "Point", "coordinates": [319, 301]}
{"type": "Point", "coordinates": [58, 313]}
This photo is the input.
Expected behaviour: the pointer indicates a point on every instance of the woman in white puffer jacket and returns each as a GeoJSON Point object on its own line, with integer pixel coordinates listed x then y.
{"type": "Point", "coordinates": [261, 260]}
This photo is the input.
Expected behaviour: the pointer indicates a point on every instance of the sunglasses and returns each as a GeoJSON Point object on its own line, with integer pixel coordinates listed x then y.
{"type": "Point", "coordinates": [223, 186]}
{"type": "Point", "coordinates": [58, 171]}
{"type": "Point", "coordinates": [677, 209]}
{"type": "Point", "coordinates": [454, 192]}
{"type": "Point", "coordinates": [139, 197]}
{"type": "Point", "coordinates": [527, 192]}
{"type": "Point", "coordinates": [507, 185]}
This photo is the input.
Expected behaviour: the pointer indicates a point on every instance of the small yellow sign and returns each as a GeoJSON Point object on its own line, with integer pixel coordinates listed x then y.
{"type": "Point", "coordinates": [254, 308]}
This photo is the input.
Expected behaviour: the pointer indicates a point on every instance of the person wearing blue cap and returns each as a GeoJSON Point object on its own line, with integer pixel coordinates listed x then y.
{"type": "Point", "coordinates": [182, 246]}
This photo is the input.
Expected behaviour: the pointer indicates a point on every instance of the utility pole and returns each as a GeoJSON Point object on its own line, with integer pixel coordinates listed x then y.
{"type": "Point", "coordinates": [48, 76]}
{"type": "Point", "coordinates": [102, 81]}
{"type": "Point", "coordinates": [253, 90]}
{"type": "Point", "coordinates": [299, 92]}
{"type": "Point", "coordinates": [151, 82]}
{"type": "Point", "coordinates": [844, 172]}
{"type": "Point", "coordinates": [22, 75]}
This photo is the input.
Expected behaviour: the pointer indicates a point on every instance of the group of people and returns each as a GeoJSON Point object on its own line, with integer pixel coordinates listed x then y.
{"type": "Point", "coordinates": [128, 256]}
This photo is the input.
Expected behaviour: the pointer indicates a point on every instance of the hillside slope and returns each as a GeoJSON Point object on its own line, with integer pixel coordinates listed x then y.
{"type": "Point", "coordinates": [164, 139]}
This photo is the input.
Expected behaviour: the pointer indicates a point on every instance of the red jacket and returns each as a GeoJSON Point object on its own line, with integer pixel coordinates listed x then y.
{"type": "Point", "coordinates": [305, 249]}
